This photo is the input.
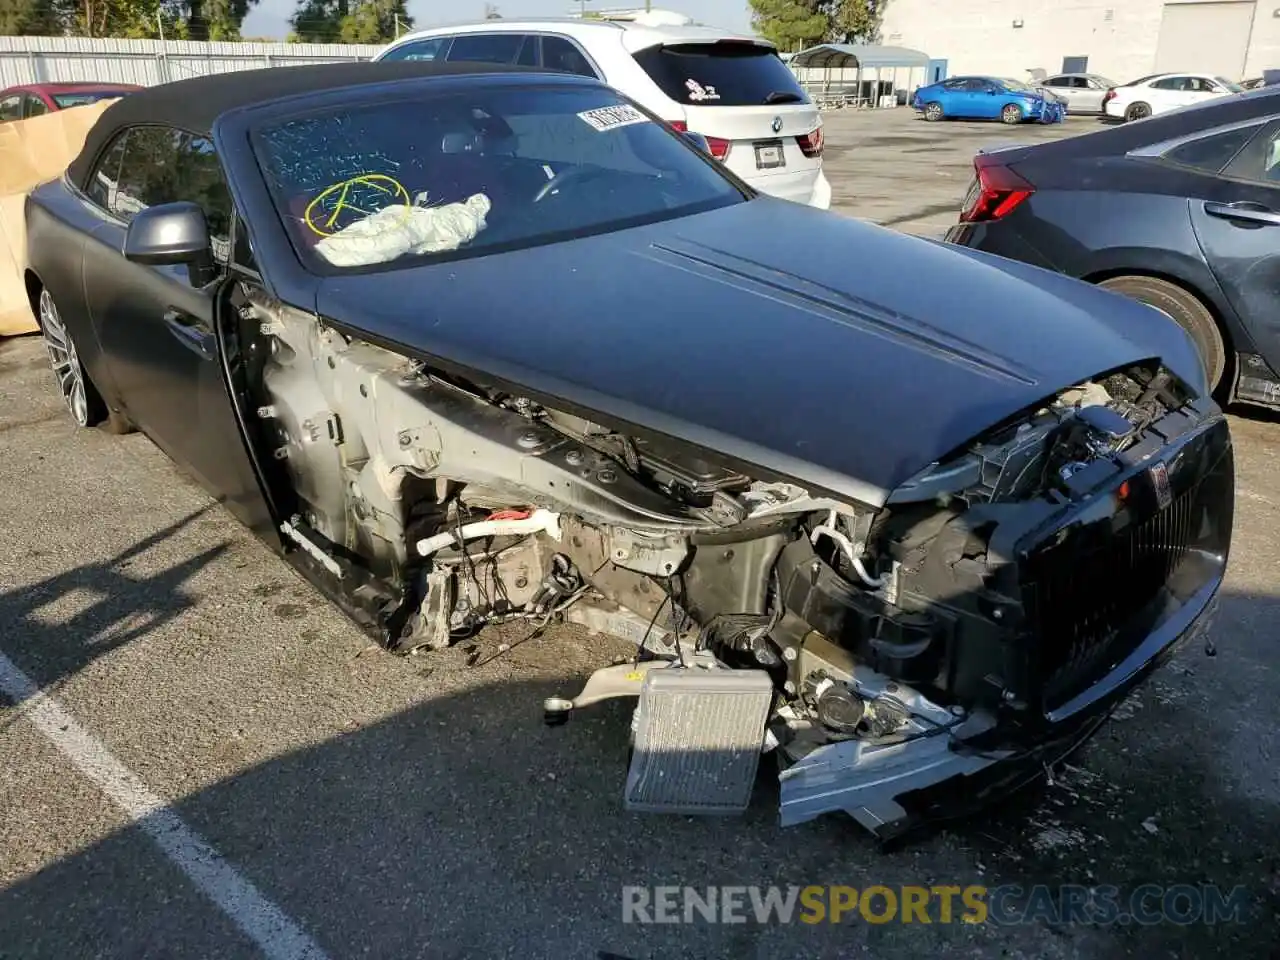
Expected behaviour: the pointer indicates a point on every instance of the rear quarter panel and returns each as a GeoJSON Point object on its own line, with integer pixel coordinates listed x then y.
{"type": "Point", "coordinates": [59, 225]}
{"type": "Point", "coordinates": [1092, 218]}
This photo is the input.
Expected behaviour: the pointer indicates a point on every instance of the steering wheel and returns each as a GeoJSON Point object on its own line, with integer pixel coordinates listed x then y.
{"type": "Point", "coordinates": [567, 175]}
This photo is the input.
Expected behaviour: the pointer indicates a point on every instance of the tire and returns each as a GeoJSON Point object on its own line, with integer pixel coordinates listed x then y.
{"type": "Point", "coordinates": [83, 401]}
{"type": "Point", "coordinates": [1187, 310]}
{"type": "Point", "coordinates": [933, 112]}
{"type": "Point", "coordinates": [1137, 111]}
{"type": "Point", "coordinates": [1012, 113]}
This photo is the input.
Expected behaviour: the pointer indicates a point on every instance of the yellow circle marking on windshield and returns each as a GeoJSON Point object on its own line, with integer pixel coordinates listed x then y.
{"type": "Point", "coordinates": [322, 213]}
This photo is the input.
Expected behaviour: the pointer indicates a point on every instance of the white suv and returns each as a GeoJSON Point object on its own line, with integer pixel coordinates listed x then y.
{"type": "Point", "coordinates": [734, 90]}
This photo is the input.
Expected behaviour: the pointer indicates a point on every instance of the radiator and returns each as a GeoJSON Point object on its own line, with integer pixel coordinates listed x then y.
{"type": "Point", "coordinates": [699, 734]}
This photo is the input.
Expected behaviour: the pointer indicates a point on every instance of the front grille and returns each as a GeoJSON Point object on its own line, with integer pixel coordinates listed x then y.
{"type": "Point", "coordinates": [1086, 596]}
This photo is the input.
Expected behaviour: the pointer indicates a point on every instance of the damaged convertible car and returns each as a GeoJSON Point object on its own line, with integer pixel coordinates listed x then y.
{"type": "Point", "coordinates": [471, 344]}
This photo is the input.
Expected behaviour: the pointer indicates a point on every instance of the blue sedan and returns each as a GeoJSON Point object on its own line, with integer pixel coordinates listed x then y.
{"type": "Point", "coordinates": [988, 98]}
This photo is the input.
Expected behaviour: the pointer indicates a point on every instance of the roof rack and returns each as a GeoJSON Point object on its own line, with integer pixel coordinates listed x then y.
{"type": "Point", "coordinates": [641, 17]}
{"type": "Point", "coordinates": [498, 24]}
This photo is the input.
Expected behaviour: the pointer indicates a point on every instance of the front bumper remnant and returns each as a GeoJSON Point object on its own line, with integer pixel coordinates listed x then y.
{"type": "Point", "coordinates": [891, 789]}
{"type": "Point", "coordinates": [864, 781]}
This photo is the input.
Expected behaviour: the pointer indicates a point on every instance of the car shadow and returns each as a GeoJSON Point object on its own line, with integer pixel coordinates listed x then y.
{"type": "Point", "coordinates": [463, 827]}
{"type": "Point", "coordinates": [66, 621]}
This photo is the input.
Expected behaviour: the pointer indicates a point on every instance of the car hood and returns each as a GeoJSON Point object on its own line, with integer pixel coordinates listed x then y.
{"type": "Point", "coordinates": [802, 343]}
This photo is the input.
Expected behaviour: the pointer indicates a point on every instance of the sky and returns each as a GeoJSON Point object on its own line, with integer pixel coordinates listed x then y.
{"type": "Point", "coordinates": [270, 18]}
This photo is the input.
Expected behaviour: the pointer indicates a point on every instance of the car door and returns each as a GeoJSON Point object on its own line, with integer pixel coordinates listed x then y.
{"type": "Point", "coordinates": [987, 98]}
{"type": "Point", "coordinates": [956, 97]}
{"type": "Point", "coordinates": [966, 97]}
{"type": "Point", "coordinates": [1191, 90]}
{"type": "Point", "coordinates": [1096, 88]}
{"type": "Point", "coordinates": [1164, 94]}
{"type": "Point", "coordinates": [1069, 92]}
{"type": "Point", "coordinates": [1237, 222]}
{"type": "Point", "coordinates": [1084, 96]}
{"type": "Point", "coordinates": [33, 105]}
{"type": "Point", "coordinates": [156, 324]}
{"type": "Point", "coordinates": [1205, 88]}
{"type": "Point", "coordinates": [1068, 88]}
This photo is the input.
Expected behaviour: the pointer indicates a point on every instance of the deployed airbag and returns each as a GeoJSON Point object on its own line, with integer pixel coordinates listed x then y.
{"type": "Point", "coordinates": [397, 230]}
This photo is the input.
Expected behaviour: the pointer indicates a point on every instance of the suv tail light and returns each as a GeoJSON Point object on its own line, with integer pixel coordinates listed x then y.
{"type": "Point", "coordinates": [719, 148]}
{"type": "Point", "coordinates": [811, 143]}
{"type": "Point", "coordinates": [996, 192]}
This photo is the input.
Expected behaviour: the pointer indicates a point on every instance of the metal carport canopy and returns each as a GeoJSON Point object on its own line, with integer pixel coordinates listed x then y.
{"type": "Point", "coordinates": [851, 55]}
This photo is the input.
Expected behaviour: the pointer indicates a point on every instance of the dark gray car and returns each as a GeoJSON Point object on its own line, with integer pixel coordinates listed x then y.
{"type": "Point", "coordinates": [476, 346]}
{"type": "Point", "coordinates": [1181, 212]}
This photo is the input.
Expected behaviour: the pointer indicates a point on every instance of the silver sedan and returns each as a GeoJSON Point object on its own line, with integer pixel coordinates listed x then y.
{"type": "Point", "coordinates": [1083, 92]}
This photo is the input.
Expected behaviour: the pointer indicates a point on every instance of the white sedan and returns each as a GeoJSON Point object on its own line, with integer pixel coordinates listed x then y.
{"type": "Point", "coordinates": [1164, 92]}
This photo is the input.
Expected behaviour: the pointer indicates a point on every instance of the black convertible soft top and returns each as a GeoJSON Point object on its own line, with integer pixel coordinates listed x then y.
{"type": "Point", "coordinates": [195, 103]}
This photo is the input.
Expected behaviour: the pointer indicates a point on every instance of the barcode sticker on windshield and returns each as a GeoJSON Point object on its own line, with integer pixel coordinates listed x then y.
{"type": "Point", "coordinates": [610, 118]}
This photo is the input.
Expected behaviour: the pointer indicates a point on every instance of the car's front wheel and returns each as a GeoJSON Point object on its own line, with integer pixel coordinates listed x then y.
{"type": "Point", "coordinates": [933, 112]}
{"type": "Point", "coordinates": [1012, 113]}
{"type": "Point", "coordinates": [1187, 310]}
{"type": "Point", "coordinates": [1138, 111]}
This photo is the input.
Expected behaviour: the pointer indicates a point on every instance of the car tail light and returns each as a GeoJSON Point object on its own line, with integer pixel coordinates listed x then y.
{"type": "Point", "coordinates": [719, 148]}
{"type": "Point", "coordinates": [1108, 96]}
{"type": "Point", "coordinates": [811, 143]}
{"type": "Point", "coordinates": [995, 193]}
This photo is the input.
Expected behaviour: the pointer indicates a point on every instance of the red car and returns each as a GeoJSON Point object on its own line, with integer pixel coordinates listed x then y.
{"type": "Point", "coordinates": [33, 99]}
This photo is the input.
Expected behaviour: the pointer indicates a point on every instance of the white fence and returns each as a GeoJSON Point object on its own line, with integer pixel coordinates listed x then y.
{"type": "Point", "coordinates": [148, 62]}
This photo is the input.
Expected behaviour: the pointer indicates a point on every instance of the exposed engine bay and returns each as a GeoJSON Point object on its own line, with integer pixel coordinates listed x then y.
{"type": "Point", "coordinates": [864, 646]}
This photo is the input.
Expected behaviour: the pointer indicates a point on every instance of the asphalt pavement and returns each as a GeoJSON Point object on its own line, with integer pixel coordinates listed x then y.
{"type": "Point", "coordinates": [218, 764]}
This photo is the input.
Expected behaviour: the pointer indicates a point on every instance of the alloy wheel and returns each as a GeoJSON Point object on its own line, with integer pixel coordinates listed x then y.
{"type": "Point", "coordinates": [933, 112]}
{"type": "Point", "coordinates": [64, 360]}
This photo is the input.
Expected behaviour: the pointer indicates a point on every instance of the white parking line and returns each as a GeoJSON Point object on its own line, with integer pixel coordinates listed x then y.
{"type": "Point", "coordinates": [261, 920]}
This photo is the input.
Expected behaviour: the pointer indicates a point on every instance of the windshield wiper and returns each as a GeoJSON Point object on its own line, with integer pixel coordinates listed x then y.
{"type": "Point", "coordinates": [783, 96]}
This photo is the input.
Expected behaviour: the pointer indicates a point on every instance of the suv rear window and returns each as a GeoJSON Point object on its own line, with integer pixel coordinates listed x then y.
{"type": "Point", "coordinates": [723, 74]}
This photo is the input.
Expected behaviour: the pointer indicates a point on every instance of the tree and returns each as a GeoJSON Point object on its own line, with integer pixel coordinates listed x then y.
{"type": "Point", "coordinates": [215, 19]}
{"type": "Point", "coordinates": [317, 21]}
{"type": "Point", "coordinates": [139, 19]}
{"type": "Point", "coordinates": [791, 24]}
{"type": "Point", "coordinates": [856, 21]}
{"type": "Point", "coordinates": [33, 17]}
{"type": "Point", "coordinates": [375, 21]}
{"type": "Point", "coordinates": [349, 21]}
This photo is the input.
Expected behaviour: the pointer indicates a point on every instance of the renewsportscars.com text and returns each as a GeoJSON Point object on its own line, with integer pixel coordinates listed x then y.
{"type": "Point", "coordinates": [1146, 905]}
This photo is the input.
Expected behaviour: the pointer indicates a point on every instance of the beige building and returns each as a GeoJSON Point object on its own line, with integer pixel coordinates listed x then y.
{"type": "Point", "coordinates": [1120, 39]}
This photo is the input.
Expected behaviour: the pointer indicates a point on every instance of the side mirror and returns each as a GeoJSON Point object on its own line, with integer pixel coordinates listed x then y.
{"type": "Point", "coordinates": [172, 234]}
{"type": "Point", "coordinates": [698, 140]}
